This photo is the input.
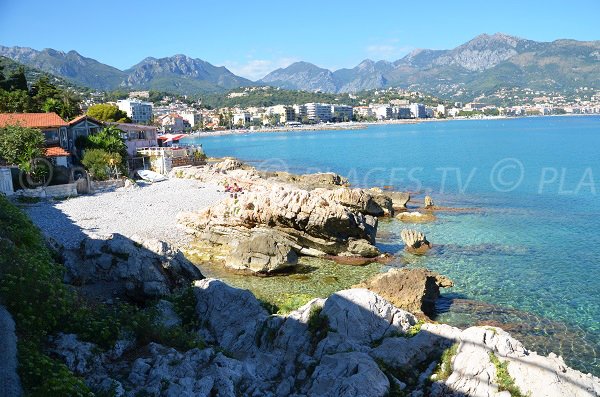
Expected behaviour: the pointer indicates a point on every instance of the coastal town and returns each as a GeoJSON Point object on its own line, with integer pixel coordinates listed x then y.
{"type": "Point", "coordinates": [318, 200]}
{"type": "Point", "coordinates": [178, 114]}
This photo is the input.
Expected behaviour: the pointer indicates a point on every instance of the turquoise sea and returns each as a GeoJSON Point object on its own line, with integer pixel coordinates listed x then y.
{"type": "Point", "coordinates": [527, 254]}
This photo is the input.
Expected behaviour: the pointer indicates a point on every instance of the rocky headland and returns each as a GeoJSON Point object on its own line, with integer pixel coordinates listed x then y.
{"type": "Point", "coordinates": [187, 335]}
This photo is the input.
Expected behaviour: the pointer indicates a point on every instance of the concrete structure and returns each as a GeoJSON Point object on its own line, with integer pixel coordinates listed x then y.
{"type": "Point", "coordinates": [171, 122]}
{"type": "Point", "coordinates": [163, 159]}
{"type": "Point", "coordinates": [418, 110]}
{"type": "Point", "coordinates": [300, 111]}
{"type": "Point", "coordinates": [137, 136]}
{"type": "Point", "coordinates": [286, 113]}
{"type": "Point", "coordinates": [401, 112]}
{"type": "Point", "coordinates": [341, 112]}
{"type": "Point", "coordinates": [240, 119]}
{"type": "Point", "coordinates": [193, 118]}
{"type": "Point", "coordinates": [382, 112]}
{"type": "Point", "coordinates": [318, 112]}
{"type": "Point", "coordinates": [137, 111]}
{"type": "Point", "coordinates": [363, 112]}
{"type": "Point", "coordinates": [6, 184]}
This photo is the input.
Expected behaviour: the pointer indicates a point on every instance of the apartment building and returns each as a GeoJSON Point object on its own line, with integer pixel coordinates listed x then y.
{"type": "Point", "coordinates": [418, 110]}
{"type": "Point", "coordinates": [193, 118]}
{"type": "Point", "coordinates": [341, 112]}
{"type": "Point", "coordinates": [318, 112]}
{"type": "Point", "coordinates": [139, 112]}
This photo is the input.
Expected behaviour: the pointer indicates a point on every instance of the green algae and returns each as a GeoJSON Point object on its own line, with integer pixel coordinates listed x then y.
{"type": "Point", "coordinates": [283, 293]}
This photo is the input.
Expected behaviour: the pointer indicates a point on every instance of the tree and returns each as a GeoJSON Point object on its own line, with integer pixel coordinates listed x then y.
{"type": "Point", "coordinates": [21, 145]}
{"type": "Point", "coordinates": [108, 139]}
{"type": "Point", "coordinates": [17, 80]}
{"type": "Point", "coordinates": [106, 112]}
{"type": "Point", "coordinates": [17, 101]}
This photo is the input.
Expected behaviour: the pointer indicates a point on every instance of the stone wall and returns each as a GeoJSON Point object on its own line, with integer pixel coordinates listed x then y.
{"type": "Point", "coordinates": [106, 186]}
{"type": "Point", "coordinates": [65, 190]}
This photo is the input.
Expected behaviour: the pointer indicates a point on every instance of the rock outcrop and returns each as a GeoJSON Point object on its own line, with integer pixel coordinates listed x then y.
{"type": "Point", "coordinates": [262, 253]}
{"type": "Point", "coordinates": [399, 199]}
{"type": "Point", "coordinates": [312, 223]}
{"type": "Point", "coordinates": [354, 343]}
{"type": "Point", "coordinates": [413, 290]}
{"type": "Point", "coordinates": [10, 384]}
{"type": "Point", "coordinates": [116, 266]}
{"type": "Point", "coordinates": [428, 202]}
{"type": "Point", "coordinates": [415, 242]}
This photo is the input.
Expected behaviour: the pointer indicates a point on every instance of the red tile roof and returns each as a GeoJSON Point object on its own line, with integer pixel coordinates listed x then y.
{"type": "Point", "coordinates": [32, 120]}
{"type": "Point", "coordinates": [56, 151]}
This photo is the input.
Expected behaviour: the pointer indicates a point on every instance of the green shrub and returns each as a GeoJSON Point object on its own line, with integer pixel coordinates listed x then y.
{"type": "Point", "coordinates": [100, 163]}
{"type": "Point", "coordinates": [444, 368]}
{"type": "Point", "coordinates": [503, 379]}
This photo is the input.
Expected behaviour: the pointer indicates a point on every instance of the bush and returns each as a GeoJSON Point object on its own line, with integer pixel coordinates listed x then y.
{"type": "Point", "coordinates": [101, 164]}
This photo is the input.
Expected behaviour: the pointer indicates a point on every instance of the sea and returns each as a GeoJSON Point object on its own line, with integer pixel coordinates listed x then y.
{"type": "Point", "coordinates": [522, 243]}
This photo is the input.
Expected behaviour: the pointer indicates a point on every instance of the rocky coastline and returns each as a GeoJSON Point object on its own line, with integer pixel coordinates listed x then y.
{"type": "Point", "coordinates": [374, 339]}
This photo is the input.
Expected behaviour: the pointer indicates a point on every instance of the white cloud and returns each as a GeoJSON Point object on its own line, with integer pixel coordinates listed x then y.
{"type": "Point", "coordinates": [255, 69]}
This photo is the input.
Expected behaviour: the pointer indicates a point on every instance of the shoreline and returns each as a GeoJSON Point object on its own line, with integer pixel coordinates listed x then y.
{"type": "Point", "coordinates": [363, 125]}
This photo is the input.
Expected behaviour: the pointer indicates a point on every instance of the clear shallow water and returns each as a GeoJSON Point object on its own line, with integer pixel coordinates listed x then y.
{"type": "Point", "coordinates": [530, 255]}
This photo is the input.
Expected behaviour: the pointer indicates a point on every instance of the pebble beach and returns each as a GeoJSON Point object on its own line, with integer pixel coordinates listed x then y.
{"type": "Point", "coordinates": [147, 210]}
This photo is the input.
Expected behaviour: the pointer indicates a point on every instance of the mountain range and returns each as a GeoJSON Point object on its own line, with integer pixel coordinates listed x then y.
{"type": "Point", "coordinates": [482, 65]}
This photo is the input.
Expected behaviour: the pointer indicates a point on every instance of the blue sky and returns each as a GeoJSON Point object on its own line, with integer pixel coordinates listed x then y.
{"type": "Point", "coordinates": [253, 38]}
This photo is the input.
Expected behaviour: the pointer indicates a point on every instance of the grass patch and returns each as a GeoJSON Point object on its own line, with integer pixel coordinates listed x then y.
{"type": "Point", "coordinates": [444, 368]}
{"type": "Point", "coordinates": [503, 379]}
{"type": "Point", "coordinates": [28, 200]}
{"type": "Point", "coordinates": [318, 324]}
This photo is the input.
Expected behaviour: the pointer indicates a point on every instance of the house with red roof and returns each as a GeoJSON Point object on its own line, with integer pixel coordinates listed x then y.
{"type": "Point", "coordinates": [51, 125]}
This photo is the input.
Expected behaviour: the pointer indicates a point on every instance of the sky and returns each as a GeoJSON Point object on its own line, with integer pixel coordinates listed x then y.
{"type": "Point", "coordinates": [252, 38]}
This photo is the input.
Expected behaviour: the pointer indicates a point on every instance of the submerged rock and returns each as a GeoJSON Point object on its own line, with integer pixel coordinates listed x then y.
{"type": "Point", "coordinates": [414, 242]}
{"type": "Point", "coordinates": [415, 217]}
{"type": "Point", "coordinates": [414, 290]}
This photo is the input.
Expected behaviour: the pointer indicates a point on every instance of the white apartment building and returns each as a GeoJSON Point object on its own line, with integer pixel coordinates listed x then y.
{"type": "Point", "coordinates": [139, 112]}
{"type": "Point", "coordinates": [172, 122]}
{"type": "Point", "coordinates": [193, 118]}
{"type": "Point", "coordinates": [241, 118]}
{"type": "Point", "coordinates": [300, 111]}
{"type": "Point", "coordinates": [286, 113]}
{"type": "Point", "coordinates": [418, 111]}
{"type": "Point", "coordinates": [318, 112]}
{"type": "Point", "coordinates": [341, 112]}
{"type": "Point", "coordinates": [363, 111]}
{"type": "Point", "coordinates": [382, 112]}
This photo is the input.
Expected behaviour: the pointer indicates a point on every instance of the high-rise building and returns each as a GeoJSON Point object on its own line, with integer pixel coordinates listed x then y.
{"type": "Point", "coordinates": [418, 111]}
{"type": "Point", "coordinates": [341, 112]}
{"type": "Point", "coordinates": [318, 112]}
{"type": "Point", "coordinates": [139, 112]}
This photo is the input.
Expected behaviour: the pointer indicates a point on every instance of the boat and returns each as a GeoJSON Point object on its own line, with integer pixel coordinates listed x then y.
{"type": "Point", "coordinates": [151, 176]}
